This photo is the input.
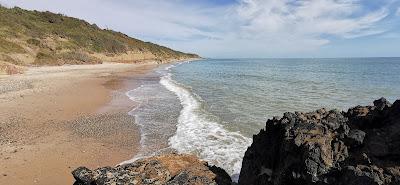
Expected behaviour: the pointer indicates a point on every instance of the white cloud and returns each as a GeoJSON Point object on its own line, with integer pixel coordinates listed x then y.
{"type": "Point", "coordinates": [307, 19]}
{"type": "Point", "coordinates": [248, 27]}
{"type": "Point", "coordinates": [398, 11]}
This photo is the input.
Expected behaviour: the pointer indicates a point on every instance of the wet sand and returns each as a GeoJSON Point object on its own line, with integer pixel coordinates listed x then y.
{"type": "Point", "coordinates": [54, 119]}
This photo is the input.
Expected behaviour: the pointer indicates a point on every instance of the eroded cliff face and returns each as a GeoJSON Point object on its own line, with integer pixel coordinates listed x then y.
{"type": "Point", "coordinates": [170, 169]}
{"type": "Point", "coordinates": [357, 147]}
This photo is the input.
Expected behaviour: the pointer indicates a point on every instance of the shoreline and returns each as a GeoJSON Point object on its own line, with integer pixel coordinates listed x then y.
{"type": "Point", "coordinates": [59, 118]}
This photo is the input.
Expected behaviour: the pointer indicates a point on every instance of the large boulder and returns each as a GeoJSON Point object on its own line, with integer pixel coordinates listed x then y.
{"type": "Point", "coordinates": [170, 169]}
{"type": "Point", "coordinates": [357, 147]}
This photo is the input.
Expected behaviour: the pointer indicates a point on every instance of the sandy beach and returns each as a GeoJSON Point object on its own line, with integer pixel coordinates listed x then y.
{"type": "Point", "coordinates": [54, 119]}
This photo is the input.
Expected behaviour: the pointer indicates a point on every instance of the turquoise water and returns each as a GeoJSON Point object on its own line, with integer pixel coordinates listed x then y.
{"type": "Point", "coordinates": [211, 107]}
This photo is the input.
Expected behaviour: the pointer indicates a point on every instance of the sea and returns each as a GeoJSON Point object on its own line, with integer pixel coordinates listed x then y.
{"type": "Point", "coordinates": [212, 107]}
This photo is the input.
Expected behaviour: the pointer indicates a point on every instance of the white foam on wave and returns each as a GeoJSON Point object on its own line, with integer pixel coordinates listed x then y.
{"type": "Point", "coordinates": [198, 134]}
{"type": "Point", "coordinates": [155, 115]}
{"type": "Point", "coordinates": [136, 100]}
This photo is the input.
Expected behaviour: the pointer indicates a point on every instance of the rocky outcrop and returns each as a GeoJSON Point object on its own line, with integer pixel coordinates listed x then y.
{"type": "Point", "coordinates": [357, 147]}
{"type": "Point", "coordinates": [171, 169]}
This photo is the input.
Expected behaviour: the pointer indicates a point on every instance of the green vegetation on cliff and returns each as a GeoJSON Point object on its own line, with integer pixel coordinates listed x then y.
{"type": "Point", "coordinates": [45, 38]}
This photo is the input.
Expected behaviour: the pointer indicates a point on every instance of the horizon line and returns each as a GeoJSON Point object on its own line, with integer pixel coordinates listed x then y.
{"type": "Point", "coordinates": [227, 58]}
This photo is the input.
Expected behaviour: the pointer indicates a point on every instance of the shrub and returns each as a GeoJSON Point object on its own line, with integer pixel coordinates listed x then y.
{"type": "Point", "coordinates": [45, 58]}
{"type": "Point", "coordinates": [77, 56]}
{"type": "Point", "coordinates": [10, 47]}
{"type": "Point", "coordinates": [34, 42]}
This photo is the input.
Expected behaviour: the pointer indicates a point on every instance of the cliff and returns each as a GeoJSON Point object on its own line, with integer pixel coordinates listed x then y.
{"type": "Point", "coordinates": [33, 38]}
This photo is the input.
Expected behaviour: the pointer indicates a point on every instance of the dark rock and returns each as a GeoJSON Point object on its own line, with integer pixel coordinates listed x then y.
{"type": "Point", "coordinates": [188, 178]}
{"type": "Point", "coordinates": [222, 177]}
{"type": "Point", "coordinates": [83, 176]}
{"type": "Point", "coordinates": [357, 147]}
{"type": "Point", "coordinates": [381, 104]}
{"type": "Point", "coordinates": [355, 138]}
{"type": "Point", "coordinates": [171, 169]}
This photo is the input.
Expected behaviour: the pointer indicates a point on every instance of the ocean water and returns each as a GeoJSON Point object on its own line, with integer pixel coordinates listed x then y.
{"type": "Point", "coordinates": [212, 107]}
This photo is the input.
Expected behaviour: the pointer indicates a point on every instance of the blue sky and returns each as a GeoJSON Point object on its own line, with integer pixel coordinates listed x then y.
{"type": "Point", "coordinates": [247, 28]}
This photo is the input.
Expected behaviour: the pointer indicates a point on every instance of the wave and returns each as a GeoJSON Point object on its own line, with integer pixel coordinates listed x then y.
{"type": "Point", "coordinates": [156, 113]}
{"type": "Point", "coordinates": [198, 133]}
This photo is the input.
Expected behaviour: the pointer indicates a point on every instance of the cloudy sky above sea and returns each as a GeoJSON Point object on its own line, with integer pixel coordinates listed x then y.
{"type": "Point", "coordinates": [246, 28]}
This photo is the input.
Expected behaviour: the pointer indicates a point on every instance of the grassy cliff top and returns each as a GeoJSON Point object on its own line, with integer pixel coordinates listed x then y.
{"type": "Point", "coordinates": [44, 38]}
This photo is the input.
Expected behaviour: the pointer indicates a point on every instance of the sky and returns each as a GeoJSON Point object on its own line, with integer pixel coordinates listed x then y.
{"type": "Point", "coordinates": [246, 28]}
